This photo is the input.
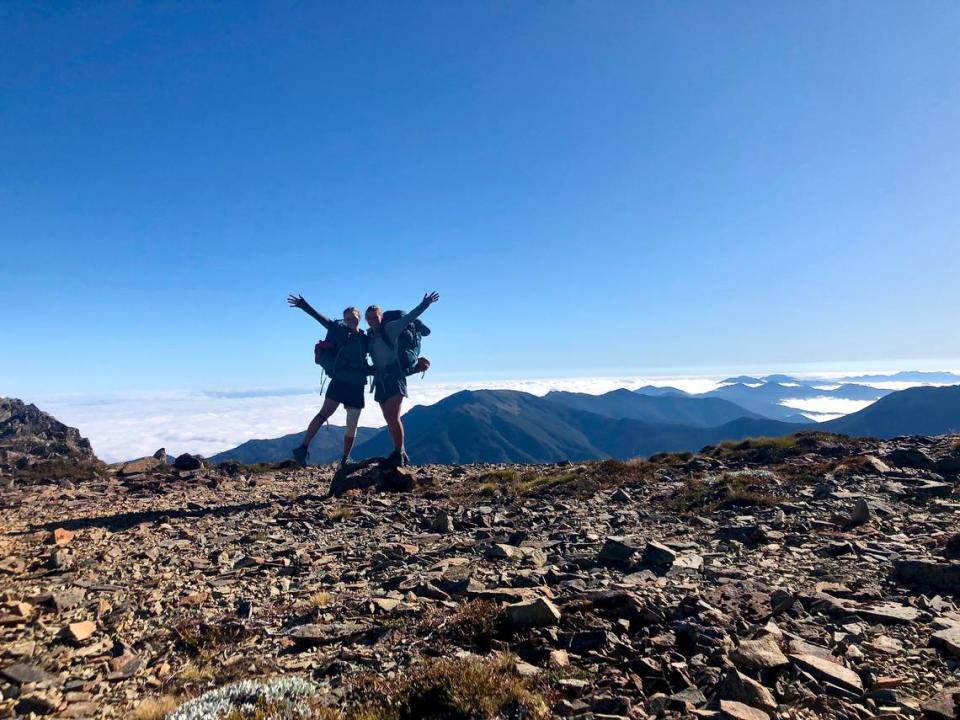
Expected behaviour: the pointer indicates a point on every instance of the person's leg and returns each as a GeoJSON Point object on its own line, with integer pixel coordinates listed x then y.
{"type": "Point", "coordinates": [391, 414]}
{"type": "Point", "coordinates": [353, 418]}
{"type": "Point", "coordinates": [329, 408]}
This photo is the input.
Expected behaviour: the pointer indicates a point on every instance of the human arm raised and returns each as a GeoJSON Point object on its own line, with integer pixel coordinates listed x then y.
{"type": "Point", "coordinates": [297, 301]}
{"type": "Point", "coordinates": [394, 328]}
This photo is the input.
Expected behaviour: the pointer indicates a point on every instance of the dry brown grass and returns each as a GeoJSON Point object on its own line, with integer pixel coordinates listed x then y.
{"type": "Point", "coordinates": [154, 708]}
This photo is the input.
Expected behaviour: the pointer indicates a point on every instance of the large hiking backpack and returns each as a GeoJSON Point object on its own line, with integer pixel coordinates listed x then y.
{"type": "Point", "coordinates": [408, 342]}
{"type": "Point", "coordinates": [326, 352]}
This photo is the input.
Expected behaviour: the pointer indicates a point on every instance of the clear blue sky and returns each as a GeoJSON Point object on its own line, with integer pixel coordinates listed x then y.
{"type": "Point", "coordinates": [591, 186]}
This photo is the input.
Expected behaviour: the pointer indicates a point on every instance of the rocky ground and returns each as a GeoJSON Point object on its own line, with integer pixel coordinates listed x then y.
{"type": "Point", "coordinates": [800, 577]}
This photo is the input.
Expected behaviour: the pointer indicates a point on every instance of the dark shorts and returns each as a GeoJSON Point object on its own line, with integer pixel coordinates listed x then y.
{"type": "Point", "coordinates": [346, 393]}
{"type": "Point", "coordinates": [387, 385]}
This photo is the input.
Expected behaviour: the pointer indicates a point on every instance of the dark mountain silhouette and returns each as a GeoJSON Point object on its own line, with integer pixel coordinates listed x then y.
{"type": "Point", "coordinates": [915, 411]}
{"type": "Point", "coordinates": [327, 446]}
{"type": "Point", "coordinates": [511, 426]}
{"type": "Point", "coordinates": [699, 412]}
{"type": "Point", "coordinates": [655, 391]}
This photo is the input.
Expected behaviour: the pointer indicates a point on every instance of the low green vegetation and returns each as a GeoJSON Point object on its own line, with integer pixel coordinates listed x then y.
{"type": "Point", "coordinates": [729, 490]}
{"type": "Point", "coordinates": [556, 480]}
{"type": "Point", "coordinates": [470, 688]}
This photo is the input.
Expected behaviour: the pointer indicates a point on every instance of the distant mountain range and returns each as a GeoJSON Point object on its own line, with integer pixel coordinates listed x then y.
{"type": "Point", "coordinates": [664, 409]}
{"type": "Point", "coordinates": [764, 396]}
{"type": "Point", "coordinates": [327, 446]}
{"type": "Point", "coordinates": [512, 426]}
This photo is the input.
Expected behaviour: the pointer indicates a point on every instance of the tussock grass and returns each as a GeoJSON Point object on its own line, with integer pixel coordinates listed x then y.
{"type": "Point", "coordinates": [154, 708]}
{"type": "Point", "coordinates": [342, 513]}
{"type": "Point", "coordinates": [730, 490]}
{"type": "Point", "coordinates": [457, 689]}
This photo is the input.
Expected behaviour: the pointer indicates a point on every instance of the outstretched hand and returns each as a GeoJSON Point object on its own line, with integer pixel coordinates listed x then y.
{"type": "Point", "coordinates": [297, 301]}
{"type": "Point", "coordinates": [430, 298]}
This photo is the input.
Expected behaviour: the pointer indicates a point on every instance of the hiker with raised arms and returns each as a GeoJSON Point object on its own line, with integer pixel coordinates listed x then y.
{"type": "Point", "coordinates": [391, 369]}
{"type": "Point", "coordinates": [343, 355]}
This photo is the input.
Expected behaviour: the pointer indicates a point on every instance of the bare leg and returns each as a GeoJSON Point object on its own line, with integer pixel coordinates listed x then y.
{"type": "Point", "coordinates": [391, 413]}
{"type": "Point", "coordinates": [328, 409]}
{"type": "Point", "coordinates": [347, 445]}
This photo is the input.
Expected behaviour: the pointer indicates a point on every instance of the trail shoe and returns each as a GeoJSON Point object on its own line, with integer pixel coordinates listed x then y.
{"type": "Point", "coordinates": [404, 458]}
{"type": "Point", "coordinates": [300, 455]}
{"type": "Point", "coordinates": [394, 459]}
{"type": "Point", "coordinates": [344, 461]}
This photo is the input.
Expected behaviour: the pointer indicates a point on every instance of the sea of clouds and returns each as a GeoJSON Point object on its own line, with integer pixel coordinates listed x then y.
{"type": "Point", "coordinates": [130, 425]}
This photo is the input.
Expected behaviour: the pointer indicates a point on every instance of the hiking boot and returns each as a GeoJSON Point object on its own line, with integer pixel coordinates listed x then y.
{"type": "Point", "coordinates": [344, 461]}
{"type": "Point", "coordinates": [300, 455]}
{"type": "Point", "coordinates": [404, 458]}
{"type": "Point", "coordinates": [394, 459]}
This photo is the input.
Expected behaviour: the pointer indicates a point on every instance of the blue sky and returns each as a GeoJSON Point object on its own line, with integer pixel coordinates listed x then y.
{"type": "Point", "coordinates": [593, 187]}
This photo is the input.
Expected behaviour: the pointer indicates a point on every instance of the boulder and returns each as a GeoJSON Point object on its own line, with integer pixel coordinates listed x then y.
{"type": "Point", "coordinates": [186, 462]}
{"type": "Point", "coordinates": [655, 553]}
{"type": "Point", "coordinates": [372, 474]}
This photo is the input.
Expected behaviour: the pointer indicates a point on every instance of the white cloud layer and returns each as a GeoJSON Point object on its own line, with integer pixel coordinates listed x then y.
{"type": "Point", "coordinates": [124, 427]}
{"type": "Point", "coordinates": [206, 422]}
{"type": "Point", "coordinates": [826, 405]}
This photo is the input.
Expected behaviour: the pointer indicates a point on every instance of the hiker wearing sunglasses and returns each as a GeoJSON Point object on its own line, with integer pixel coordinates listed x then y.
{"type": "Point", "coordinates": [390, 373]}
{"type": "Point", "coordinates": [347, 366]}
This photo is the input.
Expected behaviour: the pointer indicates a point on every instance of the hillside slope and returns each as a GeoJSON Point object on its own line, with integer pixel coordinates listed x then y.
{"type": "Point", "coordinates": [916, 411]}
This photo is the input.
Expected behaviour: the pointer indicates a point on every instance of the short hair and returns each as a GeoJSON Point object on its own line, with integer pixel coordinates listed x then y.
{"type": "Point", "coordinates": [374, 308]}
{"type": "Point", "coordinates": [351, 309]}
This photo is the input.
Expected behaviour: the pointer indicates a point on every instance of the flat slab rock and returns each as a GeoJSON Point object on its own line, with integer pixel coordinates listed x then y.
{"type": "Point", "coordinates": [322, 634]}
{"type": "Point", "coordinates": [23, 674]}
{"type": "Point", "coordinates": [944, 705]}
{"type": "Point", "coordinates": [740, 711]}
{"type": "Point", "coordinates": [829, 671]}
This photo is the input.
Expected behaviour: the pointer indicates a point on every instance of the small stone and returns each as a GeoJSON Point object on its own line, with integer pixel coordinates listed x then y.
{"type": "Point", "coordinates": [62, 536]}
{"type": "Point", "coordinates": [533, 613]}
{"type": "Point", "coordinates": [861, 513]}
{"type": "Point", "coordinates": [442, 523]}
{"type": "Point", "coordinates": [503, 552]}
{"type": "Point", "coordinates": [80, 631]}
{"type": "Point", "coordinates": [621, 496]}
{"type": "Point", "coordinates": [558, 659]}
{"type": "Point", "coordinates": [760, 654]}
{"type": "Point", "coordinates": [737, 686]}
{"type": "Point", "coordinates": [617, 550]}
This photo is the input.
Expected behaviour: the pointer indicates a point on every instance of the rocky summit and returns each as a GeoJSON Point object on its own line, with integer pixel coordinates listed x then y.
{"type": "Point", "coordinates": [29, 436]}
{"type": "Point", "coordinates": [808, 576]}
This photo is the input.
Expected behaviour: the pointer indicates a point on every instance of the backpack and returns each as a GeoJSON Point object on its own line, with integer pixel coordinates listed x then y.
{"type": "Point", "coordinates": [408, 342]}
{"type": "Point", "coordinates": [327, 351]}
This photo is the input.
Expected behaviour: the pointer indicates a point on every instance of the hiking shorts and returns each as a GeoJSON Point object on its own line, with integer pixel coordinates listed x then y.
{"type": "Point", "coordinates": [350, 396]}
{"type": "Point", "coordinates": [388, 384]}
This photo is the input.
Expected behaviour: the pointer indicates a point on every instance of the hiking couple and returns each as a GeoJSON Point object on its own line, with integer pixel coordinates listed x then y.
{"type": "Point", "coordinates": [348, 370]}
